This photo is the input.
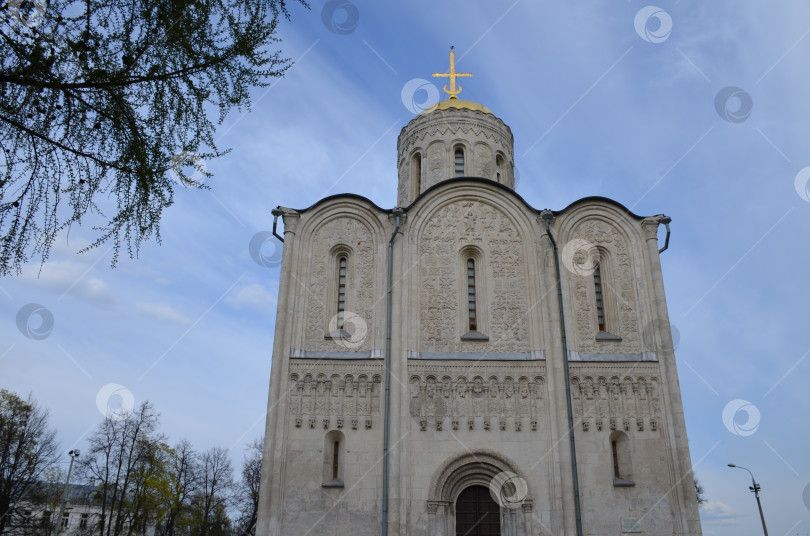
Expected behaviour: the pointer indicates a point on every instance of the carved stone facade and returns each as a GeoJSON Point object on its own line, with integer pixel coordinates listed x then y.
{"type": "Point", "coordinates": [472, 225]}
{"type": "Point", "coordinates": [477, 366]}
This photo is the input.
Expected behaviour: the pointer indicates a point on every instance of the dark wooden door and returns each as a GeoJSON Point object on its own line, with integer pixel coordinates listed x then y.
{"type": "Point", "coordinates": [477, 514]}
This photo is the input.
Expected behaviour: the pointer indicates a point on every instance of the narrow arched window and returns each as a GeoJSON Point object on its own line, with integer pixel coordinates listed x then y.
{"type": "Point", "coordinates": [335, 460]}
{"type": "Point", "coordinates": [620, 458]}
{"type": "Point", "coordinates": [471, 294]}
{"type": "Point", "coordinates": [416, 175]}
{"type": "Point", "coordinates": [615, 450]}
{"type": "Point", "coordinates": [498, 168]}
{"type": "Point", "coordinates": [459, 162]}
{"type": "Point", "coordinates": [600, 304]}
{"type": "Point", "coordinates": [341, 294]}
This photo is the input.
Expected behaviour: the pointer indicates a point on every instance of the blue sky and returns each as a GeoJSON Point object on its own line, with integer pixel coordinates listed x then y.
{"type": "Point", "coordinates": [598, 106]}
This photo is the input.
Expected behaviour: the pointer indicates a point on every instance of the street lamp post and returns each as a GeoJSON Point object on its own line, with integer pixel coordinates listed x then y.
{"type": "Point", "coordinates": [754, 487]}
{"type": "Point", "coordinates": [63, 499]}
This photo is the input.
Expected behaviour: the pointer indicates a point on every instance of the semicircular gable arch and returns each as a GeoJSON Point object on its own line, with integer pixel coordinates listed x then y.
{"type": "Point", "coordinates": [596, 210]}
{"type": "Point", "coordinates": [426, 208]}
{"type": "Point", "coordinates": [367, 215]}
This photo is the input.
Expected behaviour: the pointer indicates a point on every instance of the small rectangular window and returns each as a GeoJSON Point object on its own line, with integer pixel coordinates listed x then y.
{"type": "Point", "coordinates": [459, 167]}
{"type": "Point", "coordinates": [341, 303]}
{"type": "Point", "coordinates": [600, 308]}
{"type": "Point", "coordinates": [471, 294]}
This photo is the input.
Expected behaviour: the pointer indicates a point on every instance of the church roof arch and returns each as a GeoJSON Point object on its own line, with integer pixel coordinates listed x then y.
{"type": "Point", "coordinates": [487, 191]}
{"type": "Point", "coordinates": [344, 206]}
{"type": "Point", "coordinates": [599, 209]}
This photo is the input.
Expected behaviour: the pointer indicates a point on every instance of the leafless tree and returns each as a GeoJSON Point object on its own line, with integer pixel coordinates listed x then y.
{"type": "Point", "coordinates": [28, 448]}
{"type": "Point", "coordinates": [125, 461]}
{"type": "Point", "coordinates": [247, 491]}
{"type": "Point", "coordinates": [210, 503]}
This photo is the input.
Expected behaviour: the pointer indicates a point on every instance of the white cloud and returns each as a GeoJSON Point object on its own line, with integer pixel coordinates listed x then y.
{"type": "Point", "coordinates": [70, 278]}
{"type": "Point", "coordinates": [253, 296]}
{"type": "Point", "coordinates": [718, 513]}
{"type": "Point", "coordinates": [162, 312]}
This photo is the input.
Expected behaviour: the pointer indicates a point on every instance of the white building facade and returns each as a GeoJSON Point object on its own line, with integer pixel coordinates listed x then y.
{"type": "Point", "coordinates": [476, 362]}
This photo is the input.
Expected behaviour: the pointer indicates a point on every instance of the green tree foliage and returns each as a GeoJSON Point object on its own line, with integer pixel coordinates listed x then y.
{"type": "Point", "coordinates": [28, 449]}
{"type": "Point", "coordinates": [104, 108]}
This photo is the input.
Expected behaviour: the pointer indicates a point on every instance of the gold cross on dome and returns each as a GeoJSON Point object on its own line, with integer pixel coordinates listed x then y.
{"type": "Point", "coordinates": [453, 92]}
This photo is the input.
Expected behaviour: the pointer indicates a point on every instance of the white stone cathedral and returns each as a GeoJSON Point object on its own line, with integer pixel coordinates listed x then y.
{"type": "Point", "coordinates": [466, 364]}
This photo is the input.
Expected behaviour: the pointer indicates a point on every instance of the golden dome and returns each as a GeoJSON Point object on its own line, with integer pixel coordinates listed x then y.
{"type": "Point", "coordinates": [458, 103]}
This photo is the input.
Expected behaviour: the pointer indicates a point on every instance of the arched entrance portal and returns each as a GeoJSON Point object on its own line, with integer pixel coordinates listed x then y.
{"type": "Point", "coordinates": [477, 513]}
{"type": "Point", "coordinates": [460, 493]}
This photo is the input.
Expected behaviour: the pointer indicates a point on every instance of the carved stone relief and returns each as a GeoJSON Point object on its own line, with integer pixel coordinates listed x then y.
{"type": "Point", "coordinates": [360, 290]}
{"type": "Point", "coordinates": [335, 400]}
{"type": "Point", "coordinates": [605, 401]}
{"type": "Point", "coordinates": [620, 284]}
{"type": "Point", "coordinates": [494, 402]}
{"type": "Point", "coordinates": [451, 228]}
